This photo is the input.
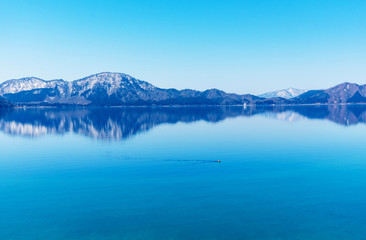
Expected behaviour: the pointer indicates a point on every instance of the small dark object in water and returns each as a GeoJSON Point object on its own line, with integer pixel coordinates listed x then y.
{"type": "Point", "coordinates": [194, 161]}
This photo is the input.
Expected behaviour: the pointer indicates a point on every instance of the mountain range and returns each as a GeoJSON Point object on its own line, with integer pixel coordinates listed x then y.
{"type": "Point", "coordinates": [110, 89]}
{"type": "Point", "coordinates": [118, 89]}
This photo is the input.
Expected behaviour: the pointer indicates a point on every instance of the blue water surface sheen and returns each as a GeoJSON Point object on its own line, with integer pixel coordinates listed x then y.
{"type": "Point", "coordinates": [153, 173]}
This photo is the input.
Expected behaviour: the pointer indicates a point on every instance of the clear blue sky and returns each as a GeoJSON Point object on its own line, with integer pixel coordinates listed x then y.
{"type": "Point", "coordinates": [238, 46]}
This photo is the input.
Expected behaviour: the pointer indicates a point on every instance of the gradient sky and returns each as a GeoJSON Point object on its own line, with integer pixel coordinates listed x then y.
{"type": "Point", "coordinates": [237, 46]}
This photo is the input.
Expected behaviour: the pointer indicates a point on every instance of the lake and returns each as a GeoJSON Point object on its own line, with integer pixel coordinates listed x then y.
{"type": "Point", "coordinates": [266, 173]}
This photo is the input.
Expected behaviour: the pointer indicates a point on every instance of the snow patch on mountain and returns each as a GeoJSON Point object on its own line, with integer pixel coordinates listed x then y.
{"type": "Point", "coordinates": [284, 93]}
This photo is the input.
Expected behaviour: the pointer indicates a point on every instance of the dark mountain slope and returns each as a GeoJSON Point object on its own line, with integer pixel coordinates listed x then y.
{"type": "Point", "coordinates": [5, 103]}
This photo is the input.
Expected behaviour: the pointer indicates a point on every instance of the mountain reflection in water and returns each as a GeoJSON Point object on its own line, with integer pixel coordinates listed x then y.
{"type": "Point", "coordinates": [122, 123]}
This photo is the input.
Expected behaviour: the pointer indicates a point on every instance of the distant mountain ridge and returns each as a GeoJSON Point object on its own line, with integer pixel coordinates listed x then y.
{"type": "Point", "coordinates": [284, 93]}
{"type": "Point", "coordinates": [119, 89]}
{"type": "Point", "coordinates": [342, 93]}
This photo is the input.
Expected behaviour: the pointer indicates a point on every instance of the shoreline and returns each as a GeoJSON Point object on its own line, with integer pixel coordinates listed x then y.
{"type": "Point", "coordinates": [183, 106]}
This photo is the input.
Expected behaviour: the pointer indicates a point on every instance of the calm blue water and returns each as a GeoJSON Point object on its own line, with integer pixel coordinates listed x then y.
{"type": "Point", "coordinates": [152, 173]}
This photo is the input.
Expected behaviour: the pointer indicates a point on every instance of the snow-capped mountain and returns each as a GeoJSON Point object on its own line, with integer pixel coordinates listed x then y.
{"type": "Point", "coordinates": [26, 84]}
{"type": "Point", "coordinates": [107, 88]}
{"type": "Point", "coordinates": [284, 93]}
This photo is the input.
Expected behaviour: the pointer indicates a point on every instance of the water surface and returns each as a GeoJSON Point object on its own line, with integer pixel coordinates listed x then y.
{"type": "Point", "coordinates": [152, 173]}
